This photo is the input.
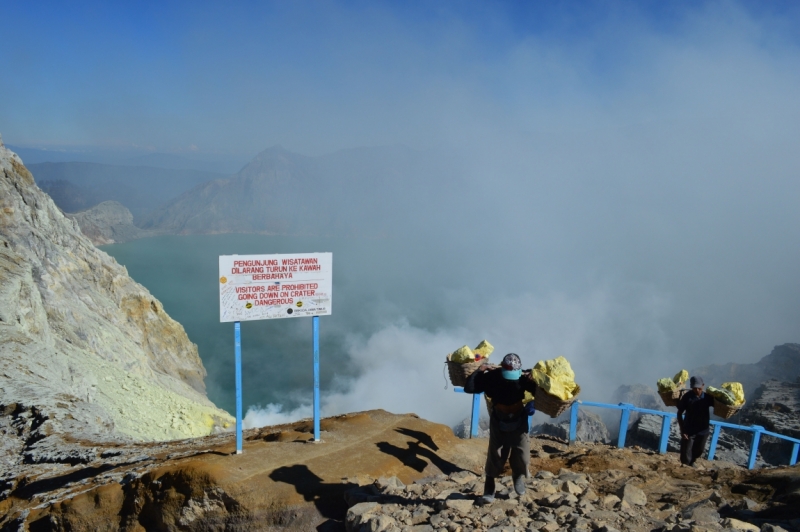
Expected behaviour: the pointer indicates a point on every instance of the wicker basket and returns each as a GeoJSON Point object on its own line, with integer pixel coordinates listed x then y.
{"type": "Point", "coordinates": [552, 405]}
{"type": "Point", "coordinates": [726, 411]}
{"type": "Point", "coordinates": [672, 397]}
{"type": "Point", "coordinates": [460, 372]}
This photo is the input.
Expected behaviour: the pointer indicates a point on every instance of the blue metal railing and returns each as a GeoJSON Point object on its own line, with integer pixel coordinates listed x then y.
{"type": "Point", "coordinates": [625, 409]}
{"type": "Point", "coordinates": [666, 424]}
{"type": "Point", "coordinates": [665, 430]}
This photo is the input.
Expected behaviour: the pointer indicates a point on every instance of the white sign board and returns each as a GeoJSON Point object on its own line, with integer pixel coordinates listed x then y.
{"type": "Point", "coordinates": [265, 287]}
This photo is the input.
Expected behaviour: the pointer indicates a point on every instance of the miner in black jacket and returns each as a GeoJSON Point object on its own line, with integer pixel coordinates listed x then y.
{"type": "Point", "coordinates": [693, 419]}
{"type": "Point", "coordinates": [508, 423]}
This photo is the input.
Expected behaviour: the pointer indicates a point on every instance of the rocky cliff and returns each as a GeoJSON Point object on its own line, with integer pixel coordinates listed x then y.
{"type": "Point", "coordinates": [782, 364]}
{"type": "Point", "coordinates": [108, 222]}
{"type": "Point", "coordinates": [84, 350]}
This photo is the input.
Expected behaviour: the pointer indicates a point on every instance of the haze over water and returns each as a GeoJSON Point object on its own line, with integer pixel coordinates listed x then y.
{"type": "Point", "coordinates": [401, 304]}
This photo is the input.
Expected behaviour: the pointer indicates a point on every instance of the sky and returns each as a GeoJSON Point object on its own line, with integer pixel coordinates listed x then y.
{"type": "Point", "coordinates": [634, 164]}
{"type": "Point", "coordinates": [315, 77]}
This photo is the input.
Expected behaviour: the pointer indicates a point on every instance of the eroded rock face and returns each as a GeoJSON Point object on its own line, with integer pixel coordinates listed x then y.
{"type": "Point", "coordinates": [590, 428]}
{"type": "Point", "coordinates": [775, 406]}
{"type": "Point", "coordinates": [84, 346]}
{"type": "Point", "coordinates": [783, 364]}
{"type": "Point", "coordinates": [108, 222]}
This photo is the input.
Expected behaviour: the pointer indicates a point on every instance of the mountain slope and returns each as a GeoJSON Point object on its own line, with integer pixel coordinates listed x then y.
{"type": "Point", "coordinates": [366, 191]}
{"type": "Point", "coordinates": [783, 364]}
{"type": "Point", "coordinates": [82, 344]}
{"type": "Point", "coordinates": [76, 186]}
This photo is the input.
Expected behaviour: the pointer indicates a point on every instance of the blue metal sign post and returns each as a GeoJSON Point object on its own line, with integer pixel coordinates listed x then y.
{"type": "Point", "coordinates": [315, 329]}
{"type": "Point", "coordinates": [237, 333]}
{"type": "Point", "coordinates": [264, 287]}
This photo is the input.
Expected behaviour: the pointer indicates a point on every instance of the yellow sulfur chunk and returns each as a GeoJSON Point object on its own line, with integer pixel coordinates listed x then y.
{"type": "Point", "coordinates": [666, 385]}
{"type": "Point", "coordinates": [737, 390]}
{"type": "Point", "coordinates": [723, 396]}
{"type": "Point", "coordinates": [484, 349]}
{"type": "Point", "coordinates": [681, 377]}
{"type": "Point", "coordinates": [555, 377]}
{"type": "Point", "coordinates": [462, 355]}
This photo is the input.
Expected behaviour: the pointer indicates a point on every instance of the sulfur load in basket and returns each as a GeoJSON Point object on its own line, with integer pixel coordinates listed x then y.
{"type": "Point", "coordinates": [462, 362]}
{"type": "Point", "coordinates": [672, 389]}
{"type": "Point", "coordinates": [672, 397]}
{"type": "Point", "coordinates": [725, 411]}
{"type": "Point", "coordinates": [556, 388]}
{"type": "Point", "coordinates": [728, 399]}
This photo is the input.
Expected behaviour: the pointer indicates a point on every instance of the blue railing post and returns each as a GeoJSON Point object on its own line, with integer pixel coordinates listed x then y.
{"type": "Point", "coordinates": [476, 413]}
{"type": "Point", "coordinates": [623, 424]}
{"type": "Point", "coordinates": [666, 423]}
{"type": "Point", "coordinates": [795, 448]}
{"type": "Point", "coordinates": [751, 463]}
{"type": "Point", "coordinates": [712, 449]}
{"type": "Point", "coordinates": [573, 421]}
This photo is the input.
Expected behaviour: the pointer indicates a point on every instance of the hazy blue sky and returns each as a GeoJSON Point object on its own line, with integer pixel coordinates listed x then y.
{"type": "Point", "coordinates": [320, 76]}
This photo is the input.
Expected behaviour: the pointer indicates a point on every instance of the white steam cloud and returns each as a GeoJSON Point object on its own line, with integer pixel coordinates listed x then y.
{"type": "Point", "coordinates": [400, 372]}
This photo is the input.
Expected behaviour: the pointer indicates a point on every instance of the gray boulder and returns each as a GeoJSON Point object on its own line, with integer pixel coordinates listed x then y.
{"type": "Point", "coordinates": [590, 428]}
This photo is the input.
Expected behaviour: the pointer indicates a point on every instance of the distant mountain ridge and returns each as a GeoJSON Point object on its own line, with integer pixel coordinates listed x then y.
{"type": "Point", "coordinates": [108, 222]}
{"type": "Point", "coordinates": [226, 164]}
{"type": "Point", "coordinates": [364, 191]}
{"type": "Point", "coordinates": [76, 186]}
{"type": "Point", "coordinates": [782, 364]}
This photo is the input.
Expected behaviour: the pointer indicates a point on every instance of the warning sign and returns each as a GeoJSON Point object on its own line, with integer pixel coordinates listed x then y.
{"type": "Point", "coordinates": [265, 287]}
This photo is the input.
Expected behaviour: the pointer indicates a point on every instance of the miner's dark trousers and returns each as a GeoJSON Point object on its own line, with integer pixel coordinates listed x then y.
{"type": "Point", "coordinates": [513, 446]}
{"type": "Point", "coordinates": [693, 448]}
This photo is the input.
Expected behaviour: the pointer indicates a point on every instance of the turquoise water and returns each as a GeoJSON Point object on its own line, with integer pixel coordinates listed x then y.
{"type": "Point", "coordinates": [376, 282]}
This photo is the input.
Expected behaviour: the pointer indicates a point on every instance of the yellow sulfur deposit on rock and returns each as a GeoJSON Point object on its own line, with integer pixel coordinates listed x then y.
{"type": "Point", "coordinates": [555, 377]}
{"type": "Point", "coordinates": [82, 342]}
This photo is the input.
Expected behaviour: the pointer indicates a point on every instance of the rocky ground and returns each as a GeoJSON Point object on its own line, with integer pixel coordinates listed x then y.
{"type": "Point", "coordinates": [587, 487]}
{"type": "Point", "coordinates": [385, 472]}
